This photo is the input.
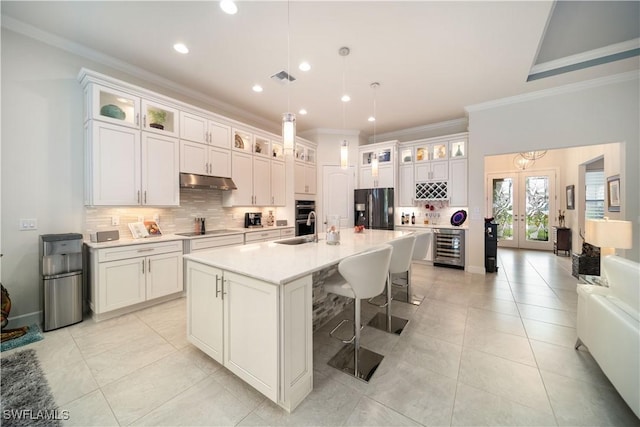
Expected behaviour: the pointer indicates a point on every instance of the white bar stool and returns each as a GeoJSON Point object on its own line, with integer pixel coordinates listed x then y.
{"type": "Point", "coordinates": [400, 262]}
{"type": "Point", "coordinates": [423, 242]}
{"type": "Point", "coordinates": [359, 276]}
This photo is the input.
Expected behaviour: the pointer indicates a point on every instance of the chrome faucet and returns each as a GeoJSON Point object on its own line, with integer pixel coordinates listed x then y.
{"type": "Point", "coordinates": [315, 227]}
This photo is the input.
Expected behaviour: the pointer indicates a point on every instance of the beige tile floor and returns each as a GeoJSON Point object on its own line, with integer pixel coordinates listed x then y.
{"type": "Point", "coordinates": [480, 350]}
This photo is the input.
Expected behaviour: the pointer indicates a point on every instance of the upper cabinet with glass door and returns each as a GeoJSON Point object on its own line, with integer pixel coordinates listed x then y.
{"type": "Point", "coordinates": [305, 154]}
{"type": "Point", "coordinates": [112, 106]}
{"type": "Point", "coordinates": [406, 155]}
{"type": "Point", "coordinates": [261, 145]}
{"type": "Point", "coordinates": [242, 141]}
{"type": "Point", "coordinates": [159, 118]}
{"type": "Point", "coordinates": [458, 148]}
{"type": "Point", "coordinates": [433, 151]}
{"type": "Point", "coordinates": [277, 150]}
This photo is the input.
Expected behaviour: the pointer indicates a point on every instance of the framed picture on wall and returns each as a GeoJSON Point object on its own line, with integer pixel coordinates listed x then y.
{"type": "Point", "coordinates": [571, 197]}
{"type": "Point", "coordinates": [613, 193]}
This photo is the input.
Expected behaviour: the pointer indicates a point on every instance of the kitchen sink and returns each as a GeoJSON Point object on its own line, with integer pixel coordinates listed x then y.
{"type": "Point", "coordinates": [295, 241]}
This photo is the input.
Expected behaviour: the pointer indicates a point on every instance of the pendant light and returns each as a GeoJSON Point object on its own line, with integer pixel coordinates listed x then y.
{"type": "Point", "coordinates": [344, 145]}
{"type": "Point", "coordinates": [533, 155]}
{"type": "Point", "coordinates": [374, 160]}
{"type": "Point", "coordinates": [522, 163]}
{"type": "Point", "coordinates": [288, 119]}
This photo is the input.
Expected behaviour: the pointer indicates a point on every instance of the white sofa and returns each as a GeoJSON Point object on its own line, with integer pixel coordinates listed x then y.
{"type": "Point", "coordinates": [609, 326]}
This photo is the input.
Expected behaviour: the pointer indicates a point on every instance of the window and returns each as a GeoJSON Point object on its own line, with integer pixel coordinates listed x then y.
{"type": "Point", "coordinates": [594, 194]}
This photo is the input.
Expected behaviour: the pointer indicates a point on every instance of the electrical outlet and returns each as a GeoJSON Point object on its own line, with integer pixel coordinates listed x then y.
{"type": "Point", "coordinates": [28, 224]}
{"type": "Point", "coordinates": [115, 220]}
{"type": "Point", "coordinates": [140, 218]}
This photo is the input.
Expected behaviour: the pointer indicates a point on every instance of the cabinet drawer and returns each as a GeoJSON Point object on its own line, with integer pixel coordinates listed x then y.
{"type": "Point", "coordinates": [287, 232]}
{"type": "Point", "coordinates": [262, 235]}
{"type": "Point", "coordinates": [133, 251]}
{"type": "Point", "coordinates": [215, 242]}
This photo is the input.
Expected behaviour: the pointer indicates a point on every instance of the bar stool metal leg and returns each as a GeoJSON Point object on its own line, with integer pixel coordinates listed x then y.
{"type": "Point", "coordinates": [385, 321]}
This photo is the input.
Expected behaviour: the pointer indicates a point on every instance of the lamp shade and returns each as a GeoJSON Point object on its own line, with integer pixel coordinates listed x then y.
{"type": "Point", "coordinates": [288, 130]}
{"type": "Point", "coordinates": [607, 233]}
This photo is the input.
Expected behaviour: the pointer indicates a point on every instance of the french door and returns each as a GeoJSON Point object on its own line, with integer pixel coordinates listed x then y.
{"type": "Point", "coordinates": [523, 205]}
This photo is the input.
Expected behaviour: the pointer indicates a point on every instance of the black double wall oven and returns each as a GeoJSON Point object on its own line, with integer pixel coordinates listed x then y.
{"type": "Point", "coordinates": [303, 207]}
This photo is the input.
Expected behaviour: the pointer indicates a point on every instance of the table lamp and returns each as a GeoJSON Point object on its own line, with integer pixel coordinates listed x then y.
{"type": "Point", "coordinates": [608, 235]}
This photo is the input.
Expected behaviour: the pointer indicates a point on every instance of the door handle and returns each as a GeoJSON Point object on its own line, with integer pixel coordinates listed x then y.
{"type": "Point", "coordinates": [137, 119]}
{"type": "Point", "coordinates": [138, 196]}
{"type": "Point", "coordinates": [144, 121]}
{"type": "Point", "coordinates": [145, 197]}
{"type": "Point", "coordinates": [149, 264]}
{"type": "Point", "coordinates": [143, 266]}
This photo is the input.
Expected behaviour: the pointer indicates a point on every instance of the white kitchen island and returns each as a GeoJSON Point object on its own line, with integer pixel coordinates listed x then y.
{"type": "Point", "coordinates": [250, 308]}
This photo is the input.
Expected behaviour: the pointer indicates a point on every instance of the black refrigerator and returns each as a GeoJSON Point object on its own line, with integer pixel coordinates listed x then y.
{"type": "Point", "coordinates": [374, 208]}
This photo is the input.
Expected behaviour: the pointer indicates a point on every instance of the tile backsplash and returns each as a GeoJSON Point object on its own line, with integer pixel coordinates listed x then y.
{"type": "Point", "coordinates": [194, 203]}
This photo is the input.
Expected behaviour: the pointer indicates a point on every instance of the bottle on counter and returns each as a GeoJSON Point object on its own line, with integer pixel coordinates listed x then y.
{"type": "Point", "coordinates": [402, 219]}
{"type": "Point", "coordinates": [270, 219]}
{"type": "Point", "coordinates": [413, 218]}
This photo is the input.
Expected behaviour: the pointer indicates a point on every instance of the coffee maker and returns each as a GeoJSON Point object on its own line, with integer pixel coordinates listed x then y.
{"type": "Point", "coordinates": [253, 220]}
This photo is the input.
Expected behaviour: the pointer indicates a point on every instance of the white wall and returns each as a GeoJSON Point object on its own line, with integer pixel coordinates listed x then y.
{"type": "Point", "coordinates": [579, 115]}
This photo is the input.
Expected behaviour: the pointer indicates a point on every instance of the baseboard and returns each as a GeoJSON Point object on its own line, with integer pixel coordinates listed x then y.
{"type": "Point", "coordinates": [474, 269]}
{"type": "Point", "coordinates": [25, 320]}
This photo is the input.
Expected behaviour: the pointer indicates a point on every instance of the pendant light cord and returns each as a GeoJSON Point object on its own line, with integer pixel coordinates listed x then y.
{"type": "Point", "coordinates": [288, 57]}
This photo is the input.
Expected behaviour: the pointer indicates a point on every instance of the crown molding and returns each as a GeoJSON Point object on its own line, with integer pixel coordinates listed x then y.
{"type": "Point", "coordinates": [109, 61]}
{"type": "Point", "coordinates": [546, 93]}
{"type": "Point", "coordinates": [424, 131]}
{"type": "Point", "coordinates": [588, 56]}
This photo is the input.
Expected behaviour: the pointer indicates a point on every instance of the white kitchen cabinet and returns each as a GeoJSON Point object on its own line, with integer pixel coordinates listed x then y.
{"type": "Point", "coordinates": [251, 174]}
{"type": "Point", "coordinates": [112, 164]}
{"type": "Point", "coordinates": [261, 236]}
{"type": "Point", "coordinates": [202, 159]}
{"type": "Point", "coordinates": [205, 243]}
{"type": "Point", "coordinates": [407, 185]}
{"type": "Point", "coordinates": [278, 183]}
{"type": "Point", "coordinates": [159, 118]}
{"type": "Point", "coordinates": [111, 106]}
{"type": "Point", "coordinates": [205, 309]}
{"type": "Point", "coordinates": [127, 168]}
{"type": "Point", "coordinates": [432, 171]}
{"type": "Point", "coordinates": [458, 186]}
{"type": "Point", "coordinates": [229, 316]}
{"type": "Point", "coordinates": [203, 130]}
{"type": "Point", "coordinates": [304, 170]}
{"type": "Point", "coordinates": [287, 232]}
{"type": "Point", "coordinates": [458, 148]}
{"type": "Point", "coordinates": [384, 152]}
{"type": "Point", "coordinates": [124, 276]}
{"type": "Point", "coordinates": [432, 151]}
{"type": "Point", "coordinates": [160, 181]}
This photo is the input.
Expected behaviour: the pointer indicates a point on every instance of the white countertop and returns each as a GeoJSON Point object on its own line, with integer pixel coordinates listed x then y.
{"type": "Point", "coordinates": [280, 264]}
{"type": "Point", "coordinates": [168, 237]}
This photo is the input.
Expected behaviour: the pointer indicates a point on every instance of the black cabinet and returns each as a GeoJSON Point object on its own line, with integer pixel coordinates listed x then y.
{"type": "Point", "coordinates": [562, 240]}
{"type": "Point", "coordinates": [490, 247]}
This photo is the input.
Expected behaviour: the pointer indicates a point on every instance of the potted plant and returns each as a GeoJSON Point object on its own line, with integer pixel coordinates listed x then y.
{"type": "Point", "coordinates": [157, 118]}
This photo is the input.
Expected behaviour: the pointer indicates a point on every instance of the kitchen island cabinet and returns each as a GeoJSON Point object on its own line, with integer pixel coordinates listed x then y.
{"type": "Point", "coordinates": [266, 323]}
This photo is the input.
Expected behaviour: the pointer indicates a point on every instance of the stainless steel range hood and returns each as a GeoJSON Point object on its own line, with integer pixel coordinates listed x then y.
{"type": "Point", "coordinates": [190, 180]}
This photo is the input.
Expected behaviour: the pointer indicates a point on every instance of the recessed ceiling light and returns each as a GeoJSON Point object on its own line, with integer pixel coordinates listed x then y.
{"type": "Point", "coordinates": [229, 6]}
{"type": "Point", "coordinates": [371, 119]}
{"type": "Point", "coordinates": [257, 88]}
{"type": "Point", "coordinates": [304, 66]}
{"type": "Point", "coordinates": [180, 47]}
{"type": "Point", "coordinates": [345, 98]}
{"type": "Point", "coordinates": [302, 111]}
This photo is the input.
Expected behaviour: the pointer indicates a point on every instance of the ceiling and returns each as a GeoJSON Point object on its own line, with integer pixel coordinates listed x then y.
{"type": "Point", "coordinates": [431, 58]}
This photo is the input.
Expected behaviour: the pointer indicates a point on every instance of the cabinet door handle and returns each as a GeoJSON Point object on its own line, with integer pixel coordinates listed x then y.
{"type": "Point", "coordinates": [217, 290]}
{"type": "Point", "coordinates": [137, 119]}
{"type": "Point", "coordinates": [145, 197]}
{"type": "Point", "coordinates": [223, 292]}
{"type": "Point", "coordinates": [138, 196]}
{"type": "Point", "coordinates": [144, 121]}
{"type": "Point", "coordinates": [142, 266]}
{"type": "Point", "coordinates": [149, 264]}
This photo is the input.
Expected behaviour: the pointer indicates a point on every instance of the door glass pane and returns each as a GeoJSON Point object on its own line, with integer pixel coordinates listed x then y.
{"type": "Point", "coordinates": [503, 207]}
{"type": "Point", "coordinates": [537, 208]}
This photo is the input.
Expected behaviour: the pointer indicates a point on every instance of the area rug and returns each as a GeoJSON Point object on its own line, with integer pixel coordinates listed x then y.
{"type": "Point", "coordinates": [33, 334]}
{"type": "Point", "coordinates": [25, 396]}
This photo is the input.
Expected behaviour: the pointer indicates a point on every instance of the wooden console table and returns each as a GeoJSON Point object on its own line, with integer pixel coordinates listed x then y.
{"type": "Point", "coordinates": [562, 240]}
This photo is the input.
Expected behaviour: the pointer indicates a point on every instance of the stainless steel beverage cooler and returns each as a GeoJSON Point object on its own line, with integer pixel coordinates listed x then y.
{"type": "Point", "coordinates": [61, 275]}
